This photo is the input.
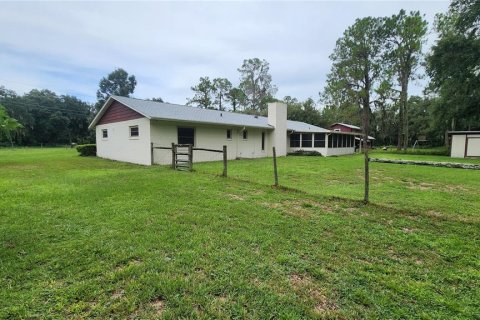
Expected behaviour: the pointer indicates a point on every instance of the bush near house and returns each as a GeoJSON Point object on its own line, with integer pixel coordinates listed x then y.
{"type": "Point", "coordinates": [87, 150]}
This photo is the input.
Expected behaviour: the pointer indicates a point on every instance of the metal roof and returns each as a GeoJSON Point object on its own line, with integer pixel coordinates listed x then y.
{"type": "Point", "coordinates": [174, 112]}
{"type": "Point", "coordinates": [463, 132]}
{"type": "Point", "coordinates": [351, 126]}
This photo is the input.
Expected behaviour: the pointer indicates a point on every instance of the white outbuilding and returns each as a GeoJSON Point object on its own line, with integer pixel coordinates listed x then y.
{"type": "Point", "coordinates": [465, 144]}
{"type": "Point", "coordinates": [127, 127]}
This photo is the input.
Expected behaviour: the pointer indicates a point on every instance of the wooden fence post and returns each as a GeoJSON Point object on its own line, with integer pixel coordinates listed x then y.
{"type": "Point", "coordinates": [275, 166]}
{"type": "Point", "coordinates": [190, 157]}
{"type": "Point", "coordinates": [224, 161]}
{"type": "Point", "coordinates": [173, 156]}
{"type": "Point", "coordinates": [151, 153]}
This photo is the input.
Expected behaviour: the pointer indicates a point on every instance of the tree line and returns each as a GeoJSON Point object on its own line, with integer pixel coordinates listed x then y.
{"type": "Point", "coordinates": [373, 64]}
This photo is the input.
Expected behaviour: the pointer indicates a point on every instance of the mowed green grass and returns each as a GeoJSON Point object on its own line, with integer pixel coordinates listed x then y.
{"type": "Point", "coordinates": [430, 190]}
{"type": "Point", "coordinates": [91, 238]}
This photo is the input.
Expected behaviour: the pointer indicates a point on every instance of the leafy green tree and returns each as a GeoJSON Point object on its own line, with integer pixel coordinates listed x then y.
{"type": "Point", "coordinates": [256, 84]}
{"type": "Point", "coordinates": [204, 94]}
{"type": "Point", "coordinates": [118, 83]}
{"type": "Point", "coordinates": [48, 118]}
{"type": "Point", "coordinates": [405, 34]}
{"type": "Point", "coordinates": [236, 97]}
{"type": "Point", "coordinates": [158, 99]}
{"type": "Point", "coordinates": [454, 66]}
{"type": "Point", "coordinates": [384, 116]}
{"type": "Point", "coordinates": [305, 111]}
{"type": "Point", "coordinates": [8, 125]}
{"type": "Point", "coordinates": [357, 71]}
{"type": "Point", "coordinates": [221, 89]}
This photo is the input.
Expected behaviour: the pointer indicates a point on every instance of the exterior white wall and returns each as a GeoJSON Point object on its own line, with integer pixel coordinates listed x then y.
{"type": "Point", "coordinates": [163, 133]}
{"type": "Point", "coordinates": [458, 146]}
{"type": "Point", "coordinates": [339, 151]}
{"type": "Point", "coordinates": [120, 146]}
{"type": "Point", "coordinates": [277, 117]}
{"type": "Point", "coordinates": [473, 149]}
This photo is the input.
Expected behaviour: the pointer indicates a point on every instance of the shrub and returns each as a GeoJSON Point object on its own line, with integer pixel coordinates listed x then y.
{"type": "Point", "coordinates": [87, 150]}
{"type": "Point", "coordinates": [305, 153]}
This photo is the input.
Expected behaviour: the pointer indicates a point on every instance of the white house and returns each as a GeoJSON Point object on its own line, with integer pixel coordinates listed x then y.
{"type": "Point", "coordinates": [465, 144]}
{"type": "Point", "coordinates": [126, 127]}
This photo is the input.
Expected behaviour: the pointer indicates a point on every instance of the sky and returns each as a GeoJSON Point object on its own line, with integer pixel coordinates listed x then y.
{"type": "Point", "coordinates": [67, 47]}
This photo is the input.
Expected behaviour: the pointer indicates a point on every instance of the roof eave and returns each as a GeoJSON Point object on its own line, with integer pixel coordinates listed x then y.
{"type": "Point", "coordinates": [269, 127]}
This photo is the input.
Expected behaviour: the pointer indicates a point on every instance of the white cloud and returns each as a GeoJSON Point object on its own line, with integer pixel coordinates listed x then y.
{"type": "Point", "coordinates": [68, 47]}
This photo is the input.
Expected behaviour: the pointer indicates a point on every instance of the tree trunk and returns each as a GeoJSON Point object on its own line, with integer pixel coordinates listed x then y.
{"type": "Point", "coordinates": [366, 116]}
{"type": "Point", "coordinates": [404, 95]}
{"type": "Point", "coordinates": [400, 127]}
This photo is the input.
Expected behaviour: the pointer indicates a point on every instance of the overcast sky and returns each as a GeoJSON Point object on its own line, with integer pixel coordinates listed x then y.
{"type": "Point", "coordinates": [69, 47]}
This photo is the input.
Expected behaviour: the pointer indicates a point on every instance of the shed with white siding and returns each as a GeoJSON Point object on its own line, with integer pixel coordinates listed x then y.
{"type": "Point", "coordinates": [464, 144]}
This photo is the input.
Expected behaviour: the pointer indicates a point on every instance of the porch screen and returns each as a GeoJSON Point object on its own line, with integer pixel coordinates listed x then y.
{"type": "Point", "coordinates": [306, 140]}
{"type": "Point", "coordinates": [295, 140]}
{"type": "Point", "coordinates": [319, 141]}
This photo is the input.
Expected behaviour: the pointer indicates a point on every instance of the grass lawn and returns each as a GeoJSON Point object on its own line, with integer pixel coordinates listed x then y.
{"type": "Point", "coordinates": [86, 237]}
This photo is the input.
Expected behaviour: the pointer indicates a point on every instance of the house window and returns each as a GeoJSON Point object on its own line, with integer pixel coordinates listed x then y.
{"type": "Point", "coordinates": [295, 140]}
{"type": "Point", "coordinates": [186, 135]}
{"type": "Point", "coordinates": [306, 140]}
{"type": "Point", "coordinates": [229, 134]}
{"type": "Point", "coordinates": [263, 140]}
{"type": "Point", "coordinates": [134, 133]}
{"type": "Point", "coordinates": [245, 134]}
{"type": "Point", "coordinates": [319, 141]}
{"type": "Point", "coordinates": [336, 130]}
{"type": "Point", "coordinates": [104, 133]}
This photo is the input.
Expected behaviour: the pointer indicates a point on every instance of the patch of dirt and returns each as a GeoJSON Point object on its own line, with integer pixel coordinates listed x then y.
{"type": "Point", "coordinates": [408, 230]}
{"type": "Point", "coordinates": [454, 188]}
{"type": "Point", "coordinates": [419, 186]}
{"type": "Point", "coordinates": [299, 281]}
{"type": "Point", "coordinates": [303, 284]}
{"type": "Point", "coordinates": [323, 304]}
{"type": "Point", "coordinates": [158, 305]}
{"type": "Point", "coordinates": [235, 197]}
{"type": "Point", "coordinates": [118, 294]}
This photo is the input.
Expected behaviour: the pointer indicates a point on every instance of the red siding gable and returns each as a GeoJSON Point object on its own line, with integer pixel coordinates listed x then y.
{"type": "Point", "coordinates": [342, 128]}
{"type": "Point", "coordinates": [118, 112]}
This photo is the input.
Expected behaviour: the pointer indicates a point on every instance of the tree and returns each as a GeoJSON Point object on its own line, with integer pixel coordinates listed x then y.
{"type": "Point", "coordinates": [405, 36]}
{"type": "Point", "coordinates": [357, 71]}
{"type": "Point", "coordinates": [384, 115]}
{"type": "Point", "coordinates": [203, 97]}
{"type": "Point", "coordinates": [221, 89]}
{"type": "Point", "coordinates": [305, 111]}
{"type": "Point", "coordinates": [117, 83]}
{"type": "Point", "coordinates": [454, 66]}
{"type": "Point", "coordinates": [256, 84]}
{"type": "Point", "coordinates": [236, 97]}
{"type": "Point", "coordinates": [48, 118]}
{"type": "Point", "coordinates": [8, 125]}
{"type": "Point", "coordinates": [158, 99]}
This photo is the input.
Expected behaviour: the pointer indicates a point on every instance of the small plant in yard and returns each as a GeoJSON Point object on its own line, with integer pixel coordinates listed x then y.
{"type": "Point", "coordinates": [87, 150]}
